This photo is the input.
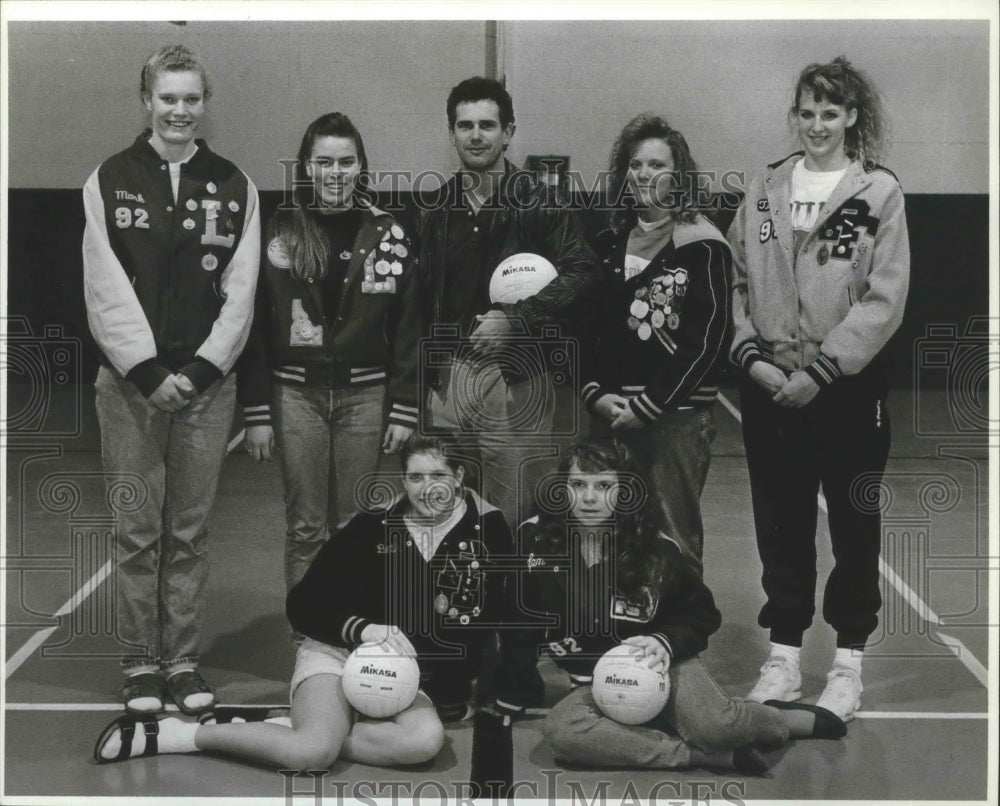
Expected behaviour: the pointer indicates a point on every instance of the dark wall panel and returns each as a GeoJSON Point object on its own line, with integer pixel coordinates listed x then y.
{"type": "Point", "coordinates": [949, 238]}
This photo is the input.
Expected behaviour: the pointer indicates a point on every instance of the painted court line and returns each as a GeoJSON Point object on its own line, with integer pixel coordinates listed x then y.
{"type": "Point", "coordinates": [113, 706]}
{"type": "Point", "coordinates": [965, 657]}
{"type": "Point", "coordinates": [35, 642]}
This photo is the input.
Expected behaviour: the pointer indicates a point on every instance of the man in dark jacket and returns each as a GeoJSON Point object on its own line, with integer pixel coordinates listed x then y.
{"type": "Point", "coordinates": [494, 384]}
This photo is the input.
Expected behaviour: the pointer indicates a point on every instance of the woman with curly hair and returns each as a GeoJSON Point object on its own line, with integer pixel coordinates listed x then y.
{"type": "Point", "coordinates": [651, 369]}
{"type": "Point", "coordinates": [598, 572]}
{"type": "Point", "coordinates": [822, 264]}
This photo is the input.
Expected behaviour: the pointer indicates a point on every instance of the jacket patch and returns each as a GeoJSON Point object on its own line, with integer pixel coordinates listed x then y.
{"type": "Point", "coordinates": [657, 306]}
{"type": "Point", "coordinates": [461, 583]}
{"type": "Point", "coordinates": [124, 195]}
{"type": "Point", "coordinates": [303, 332]}
{"type": "Point", "coordinates": [380, 275]}
{"type": "Point", "coordinates": [763, 206]}
{"type": "Point", "coordinates": [844, 227]}
{"type": "Point", "coordinates": [641, 607]}
{"type": "Point", "coordinates": [278, 255]}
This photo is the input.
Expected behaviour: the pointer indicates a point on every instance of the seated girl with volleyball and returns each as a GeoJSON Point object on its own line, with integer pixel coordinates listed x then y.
{"type": "Point", "coordinates": [626, 614]}
{"type": "Point", "coordinates": [414, 579]}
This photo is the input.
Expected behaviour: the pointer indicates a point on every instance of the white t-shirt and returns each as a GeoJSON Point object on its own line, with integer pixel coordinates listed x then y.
{"type": "Point", "coordinates": [427, 536]}
{"type": "Point", "coordinates": [810, 190]}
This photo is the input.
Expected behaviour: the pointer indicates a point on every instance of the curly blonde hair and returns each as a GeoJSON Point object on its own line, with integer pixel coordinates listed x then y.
{"type": "Point", "coordinates": [839, 82]}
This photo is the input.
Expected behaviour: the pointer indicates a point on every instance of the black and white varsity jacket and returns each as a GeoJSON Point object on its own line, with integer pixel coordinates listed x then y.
{"type": "Point", "coordinates": [373, 339]}
{"type": "Point", "coordinates": [661, 337]}
{"type": "Point", "coordinates": [169, 285]}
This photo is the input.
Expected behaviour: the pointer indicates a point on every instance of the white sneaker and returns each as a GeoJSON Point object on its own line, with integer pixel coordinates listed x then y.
{"type": "Point", "coordinates": [842, 694]}
{"type": "Point", "coordinates": [780, 679]}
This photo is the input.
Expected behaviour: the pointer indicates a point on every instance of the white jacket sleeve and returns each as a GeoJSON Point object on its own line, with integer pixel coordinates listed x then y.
{"type": "Point", "coordinates": [744, 332]}
{"type": "Point", "coordinates": [116, 318]}
{"type": "Point", "coordinates": [238, 285]}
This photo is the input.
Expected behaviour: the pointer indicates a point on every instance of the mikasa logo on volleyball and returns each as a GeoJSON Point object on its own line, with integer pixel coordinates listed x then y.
{"type": "Point", "coordinates": [377, 671]}
{"type": "Point", "coordinates": [613, 680]}
{"type": "Point", "coordinates": [515, 269]}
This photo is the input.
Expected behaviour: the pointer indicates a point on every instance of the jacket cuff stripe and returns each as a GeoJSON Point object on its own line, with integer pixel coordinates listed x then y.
{"type": "Point", "coordinates": [351, 632]}
{"type": "Point", "coordinates": [746, 354]}
{"type": "Point", "coordinates": [644, 408]}
{"type": "Point", "coordinates": [590, 392]}
{"type": "Point", "coordinates": [256, 415]}
{"type": "Point", "coordinates": [823, 370]}
{"type": "Point", "coordinates": [402, 414]}
{"type": "Point", "coordinates": [665, 641]}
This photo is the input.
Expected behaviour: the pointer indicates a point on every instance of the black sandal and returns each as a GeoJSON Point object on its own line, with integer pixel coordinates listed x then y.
{"type": "Point", "coordinates": [147, 685]}
{"type": "Point", "coordinates": [126, 726]}
{"type": "Point", "coordinates": [182, 685]}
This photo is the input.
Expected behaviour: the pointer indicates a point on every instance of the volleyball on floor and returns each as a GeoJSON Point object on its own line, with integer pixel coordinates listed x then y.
{"type": "Point", "coordinates": [520, 276]}
{"type": "Point", "coordinates": [626, 690]}
{"type": "Point", "coordinates": [379, 682]}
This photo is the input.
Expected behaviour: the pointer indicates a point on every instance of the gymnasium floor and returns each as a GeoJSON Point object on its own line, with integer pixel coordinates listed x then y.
{"type": "Point", "coordinates": [922, 733]}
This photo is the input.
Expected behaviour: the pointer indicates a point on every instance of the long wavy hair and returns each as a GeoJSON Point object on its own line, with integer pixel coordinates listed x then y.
{"type": "Point", "coordinates": [648, 126]}
{"type": "Point", "coordinates": [299, 228]}
{"type": "Point", "coordinates": [840, 82]}
{"type": "Point", "coordinates": [638, 540]}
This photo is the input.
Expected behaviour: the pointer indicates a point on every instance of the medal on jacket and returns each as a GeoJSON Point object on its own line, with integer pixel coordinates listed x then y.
{"type": "Point", "coordinates": [441, 603]}
{"type": "Point", "coordinates": [823, 255]}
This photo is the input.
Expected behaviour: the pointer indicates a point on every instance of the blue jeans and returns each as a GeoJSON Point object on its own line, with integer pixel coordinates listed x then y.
{"type": "Point", "coordinates": [699, 715]}
{"type": "Point", "coordinates": [674, 453]}
{"type": "Point", "coordinates": [162, 556]}
{"type": "Point", "coordinates": [328, 441]}
{"type": "Point", "coordinates": [509, 424]}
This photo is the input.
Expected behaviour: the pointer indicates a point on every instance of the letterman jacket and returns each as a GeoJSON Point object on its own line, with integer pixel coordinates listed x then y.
{"type": "Point", "coordinates": [829, 308]}
{"type": "Point", "coordinates": [670, 354]}
{"type": "Point", "coordinates": [577, 614]}
{"type": "Point", "coordinates": [529, 220]}
{"type": "Point", "coordinates": [374, 337]}
{"type": "Point", "coordinates": [370, 572]}
{"type": "Point", "coordinates": [169, 286]}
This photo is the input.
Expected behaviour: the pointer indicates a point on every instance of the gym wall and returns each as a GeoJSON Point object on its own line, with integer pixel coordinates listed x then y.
{"type": "Point", "coordinates": [73, 101]}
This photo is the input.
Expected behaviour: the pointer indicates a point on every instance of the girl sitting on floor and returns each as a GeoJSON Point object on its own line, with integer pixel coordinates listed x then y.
{"type": "Point", "coordinates": [603, 574]}
{"type": "Point", "coordinates": [434, 546]}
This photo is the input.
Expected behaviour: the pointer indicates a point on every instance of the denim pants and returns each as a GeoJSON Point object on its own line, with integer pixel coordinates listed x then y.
{"type": "Point", "coordinates": [510, 424]}
{"type": "Point", "coordinates": [699, 715]}
{"type": "Point", "coordinates": [162, 557]}
{"type": "Point", "coordinates": [674, 454]}
{"type": "Point", "coordinates": [328, 441]}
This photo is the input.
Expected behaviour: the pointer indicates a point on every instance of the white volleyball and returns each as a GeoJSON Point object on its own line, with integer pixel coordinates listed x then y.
{"type": "Point", "coordinates": [626, 690]}
{"type": "Point", "coordinates": [520, 276]}
{"type": "Point", "coordinates": [379, 682]}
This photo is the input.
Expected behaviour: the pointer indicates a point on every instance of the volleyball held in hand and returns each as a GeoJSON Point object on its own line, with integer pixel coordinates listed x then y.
{"type": "Point", "coordinates": [379, 682]}
{"type": "Point", "coordinates": [520, 276]}
{"type": "Point", "coordinates": [626, 690]}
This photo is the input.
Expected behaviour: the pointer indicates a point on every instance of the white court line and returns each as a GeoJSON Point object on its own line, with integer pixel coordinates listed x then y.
{"type": "Point", "coordinates": [32, 644]}
{"type": "Point", "coordinates": [117, 706]}
{"type": "Point", "coordinates": [967, 659]}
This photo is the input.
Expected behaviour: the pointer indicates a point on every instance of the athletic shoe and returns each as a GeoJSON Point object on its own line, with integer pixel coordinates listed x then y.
{"type": "Point", "coordinates": [780, 679]}
{"type": "Point", "coordinates": [842, 695]}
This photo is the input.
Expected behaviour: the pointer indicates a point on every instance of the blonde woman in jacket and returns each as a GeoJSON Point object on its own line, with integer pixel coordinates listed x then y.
{"type": "Point", "coordinates": [821, 258]}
